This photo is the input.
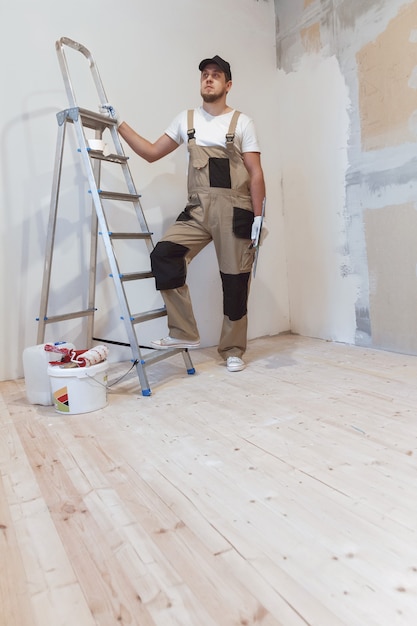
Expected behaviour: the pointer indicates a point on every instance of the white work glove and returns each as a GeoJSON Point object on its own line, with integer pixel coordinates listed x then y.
{"type": "Point", "coordinates": [256, 230]}
{"type": "Point", "coordinates": [109, 110]}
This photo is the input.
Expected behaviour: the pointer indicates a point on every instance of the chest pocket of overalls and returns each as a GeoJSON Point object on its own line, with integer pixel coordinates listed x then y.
{"type": "Point", "coordinates": [198, 158]}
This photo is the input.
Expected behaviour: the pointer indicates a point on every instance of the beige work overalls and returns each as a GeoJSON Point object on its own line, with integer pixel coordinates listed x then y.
{"type": "Point", "coordinates": [219, 208]}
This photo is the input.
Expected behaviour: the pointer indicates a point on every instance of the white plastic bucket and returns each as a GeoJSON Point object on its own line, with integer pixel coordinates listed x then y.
{"type": "Point", "coordinates": [35, 368]}
{"type": "Point", "coordinates": [79, 389]}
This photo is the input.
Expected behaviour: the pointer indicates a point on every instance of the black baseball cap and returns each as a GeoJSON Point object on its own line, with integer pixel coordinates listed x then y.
{"type": "Point", "coordinates": [224, 65]}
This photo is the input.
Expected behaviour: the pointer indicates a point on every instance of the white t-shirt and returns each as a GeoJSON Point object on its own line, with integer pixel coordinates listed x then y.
{"type": "Point", "coordinates": [211, 130]}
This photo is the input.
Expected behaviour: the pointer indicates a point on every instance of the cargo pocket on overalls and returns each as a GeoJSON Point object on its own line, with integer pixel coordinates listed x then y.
{"type": "Point", "coordinates": [242, 229]}
{"type": "Point", "coordinates": [242, 223]}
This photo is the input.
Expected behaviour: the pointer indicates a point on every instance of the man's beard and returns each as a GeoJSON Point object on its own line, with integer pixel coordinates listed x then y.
{"type": "Point", "coordinates": [212, 97]}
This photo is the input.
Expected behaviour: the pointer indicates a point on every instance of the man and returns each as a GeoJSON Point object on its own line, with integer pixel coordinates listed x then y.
{"type": "Point", "coordinates": [226, 191]}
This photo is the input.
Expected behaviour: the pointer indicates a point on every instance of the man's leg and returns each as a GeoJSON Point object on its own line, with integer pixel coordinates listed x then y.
{"type": "Point", "coordinates": [233, 336]}
{"type": "Point", "coordinates": [235, 257]}
{"type": "Point", "coordinates": [181, 320]}
{"type": "Point", "coordinates": [169, 260]}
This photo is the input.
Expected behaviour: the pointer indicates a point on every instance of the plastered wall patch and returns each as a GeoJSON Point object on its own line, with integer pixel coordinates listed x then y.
{"type": "Point", "coordinates": [387, 79]}
{"type": "Point", "coordinates": [311, 38]}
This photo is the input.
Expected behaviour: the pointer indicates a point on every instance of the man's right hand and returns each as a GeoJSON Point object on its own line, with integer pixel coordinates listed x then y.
{"type": "Point", "coordinates": [256, 230]}
{"type": "Point", "coordinates": [109, 110]}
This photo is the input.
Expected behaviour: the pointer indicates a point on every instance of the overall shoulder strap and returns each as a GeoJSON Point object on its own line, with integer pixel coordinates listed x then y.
{"type": "Point", "coordinates": [190, 124]}
{"type": "Point", "coordinates": [232, 128]}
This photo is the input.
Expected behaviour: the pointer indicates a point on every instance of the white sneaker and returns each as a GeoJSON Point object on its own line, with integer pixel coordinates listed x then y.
{"type": "Point", "coordinates": [171, 342]}
{"type": "Point", "coordinates": [235, 364]}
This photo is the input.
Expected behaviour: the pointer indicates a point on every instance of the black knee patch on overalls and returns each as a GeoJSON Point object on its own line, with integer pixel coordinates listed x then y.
{"type": "Point", "coordinates": [235, 295]}
{"type": "Point", "coordinates": [168, 265]}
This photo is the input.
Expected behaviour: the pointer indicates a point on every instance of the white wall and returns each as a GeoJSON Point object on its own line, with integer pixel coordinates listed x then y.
{"type": "Point", "coordinates": [314, 131]}
{"type": "Point", "coordinates": [147, 53]}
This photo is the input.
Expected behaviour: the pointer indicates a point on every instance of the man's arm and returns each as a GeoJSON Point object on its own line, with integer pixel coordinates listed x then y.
{"type": "Point", "coordinates": [252, 161]}
{"type": "Point", "coordinates": [149, 151]}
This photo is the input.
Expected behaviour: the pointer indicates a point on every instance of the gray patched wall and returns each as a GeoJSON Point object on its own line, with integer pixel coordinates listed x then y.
{"type": "Point", "coordinates": [374, 43]}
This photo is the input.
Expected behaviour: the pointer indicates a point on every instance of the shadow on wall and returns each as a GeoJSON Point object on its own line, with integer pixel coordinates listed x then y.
{"type": "Point", "coordinates": [23, 143]}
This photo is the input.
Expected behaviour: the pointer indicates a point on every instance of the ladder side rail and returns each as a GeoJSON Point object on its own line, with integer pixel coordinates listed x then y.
{"type": "Point", "coordinates": [143, 223]}
{"type": "Point", "coordinates": [50, 237]}
{"type": "Point", "coordinates": [65, 72]}
{"type": "Point", "coordinates": [143, 377]}
{"type": "Point", "coordinates": [188, 363]}
{"type": "Point", "coordinates": [66, 41]}
{"type": "Point", "coordinates": [92, 282]}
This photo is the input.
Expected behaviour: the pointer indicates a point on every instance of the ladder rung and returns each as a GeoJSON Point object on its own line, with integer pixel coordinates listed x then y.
{"type": "Point", "coordinates": [148, 315]}
{"type": "Point", "coordinates": [160, 355]}
{"type": "Point", "coordinates": [112, 158]}
{"type": "Point", "coordinates": [112, 342]}
{"type": "Point", "coordinates": [115, 195]}
{"type": "Point", "coordinates": [69, 316]}
{"type": "Point", "coordinates": [136, 276]}
{"type": "Point", "coordinates": [144, 235]}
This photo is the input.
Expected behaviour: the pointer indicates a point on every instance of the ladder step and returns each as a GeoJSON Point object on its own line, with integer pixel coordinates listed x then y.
{"type": "Point", "coordinates": [115, 195]}
{"type": "Point", "coordinates": [144, 235]}
{"type": "Point", "coordinates": [91, 119]}
{"type": "Point", "coordinates": [148, 315]}
{"type": "Point", "coordinates": [69, 316]}
{"type": "Point", "coordinates": [135, 276]}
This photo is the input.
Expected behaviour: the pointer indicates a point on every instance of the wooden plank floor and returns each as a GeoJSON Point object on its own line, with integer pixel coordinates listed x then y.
{"type": "Point", "coordinates": [283, 495]}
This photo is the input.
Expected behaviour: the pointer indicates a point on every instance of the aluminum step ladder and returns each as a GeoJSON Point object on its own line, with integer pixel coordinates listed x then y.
{"type": "Point", "coordinates": [81, 119]}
